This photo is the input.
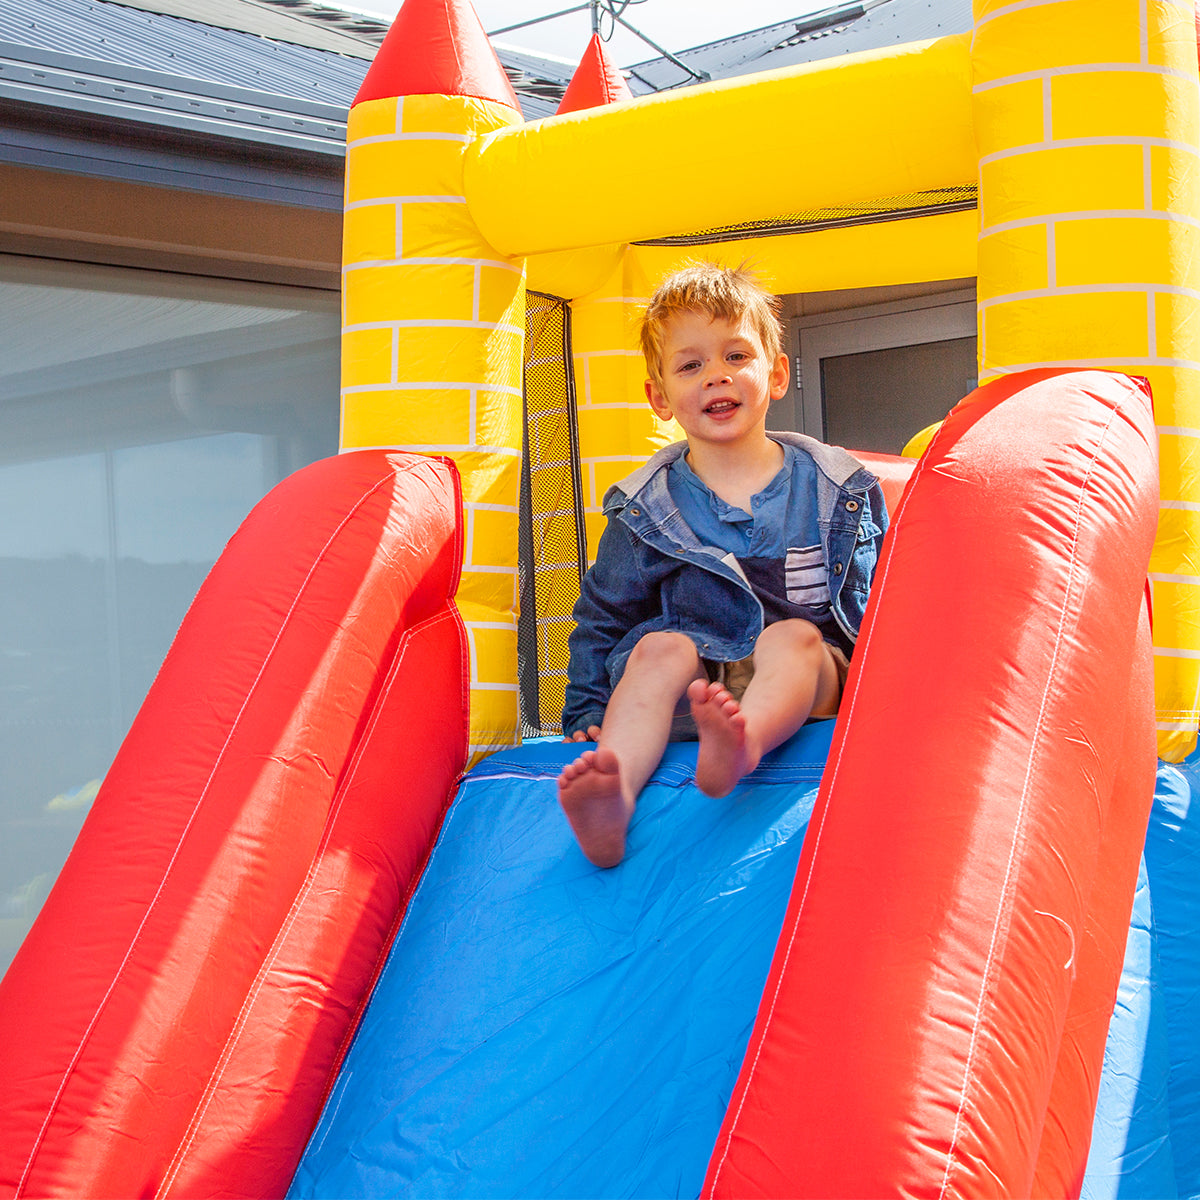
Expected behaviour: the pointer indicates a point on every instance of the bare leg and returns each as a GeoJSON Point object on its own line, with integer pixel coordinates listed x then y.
{"type": "Point", "coordinates": [795, 677]}
{"type": "Point", "coordinates": [599, 790]}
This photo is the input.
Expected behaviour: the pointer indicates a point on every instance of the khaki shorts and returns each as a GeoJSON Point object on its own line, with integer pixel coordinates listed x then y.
{"type": "Point", "coordinates": [735, 677]}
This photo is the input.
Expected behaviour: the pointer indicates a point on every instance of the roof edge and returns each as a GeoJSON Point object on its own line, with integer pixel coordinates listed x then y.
{"type": "Point", "coordinates": [298, 22]}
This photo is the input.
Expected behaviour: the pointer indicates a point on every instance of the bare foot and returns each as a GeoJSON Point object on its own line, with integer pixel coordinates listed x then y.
{"type": "Point", "coordinates": [589, 789]}
{"type": "Point", "coordinates": [725, 753]}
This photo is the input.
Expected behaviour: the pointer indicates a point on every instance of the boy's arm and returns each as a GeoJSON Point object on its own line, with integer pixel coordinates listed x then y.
{"type": "Point", "coordinates": [613, 599]}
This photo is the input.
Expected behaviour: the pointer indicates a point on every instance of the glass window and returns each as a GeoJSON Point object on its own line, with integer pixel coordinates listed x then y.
{"type": "Point", "coordinates": [142, 415]}
{"type": "Point", "coordinates": [871, 376]}
{"type": "Point", "coordinates": [877, 399]}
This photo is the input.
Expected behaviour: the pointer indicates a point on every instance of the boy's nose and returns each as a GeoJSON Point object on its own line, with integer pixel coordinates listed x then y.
{"type": "Point", "coordinates": [717, 376]}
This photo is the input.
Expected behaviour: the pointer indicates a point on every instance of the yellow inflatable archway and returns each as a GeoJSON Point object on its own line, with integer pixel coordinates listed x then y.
{"type": "Point", "coordinates": [1077, 120]}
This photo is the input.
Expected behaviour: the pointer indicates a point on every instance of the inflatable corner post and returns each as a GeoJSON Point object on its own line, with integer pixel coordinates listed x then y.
{"type": "Point", "coordinates": [434, 318]}
{"type": "Point", "coordinates": [1089, 248]}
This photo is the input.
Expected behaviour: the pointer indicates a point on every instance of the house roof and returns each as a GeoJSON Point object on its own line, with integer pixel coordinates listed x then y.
{"type": "Point", "coordinates": [250, 97]}
{"type": "Point", "coordinates": [844, 28]}
{"type": "Point", "coordinates": [109, 35]}
{"type": "Point", "coordinates": [288, 48]}
{"type": "Point", "coordinates": [298, 22]}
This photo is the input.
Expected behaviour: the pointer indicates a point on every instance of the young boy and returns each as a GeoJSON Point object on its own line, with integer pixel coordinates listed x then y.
{"type": "Point", "coordinates": [733, 573]}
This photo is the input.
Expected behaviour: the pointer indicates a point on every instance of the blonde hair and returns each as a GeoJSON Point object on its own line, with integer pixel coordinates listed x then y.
{"type": "Point", "coordinates": [728, 293]}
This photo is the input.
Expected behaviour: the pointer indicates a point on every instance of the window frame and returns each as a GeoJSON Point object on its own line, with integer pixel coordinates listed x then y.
{"type": "Point", "coordinates": [933, 318]}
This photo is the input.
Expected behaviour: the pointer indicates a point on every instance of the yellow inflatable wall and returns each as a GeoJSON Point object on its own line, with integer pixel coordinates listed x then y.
{"type": "Point", "coordinates": [433, 352]}
{"type": "Point", "coordinates": [1076, 120]}
{"type": "Point", "coordinates": [1089, 249]}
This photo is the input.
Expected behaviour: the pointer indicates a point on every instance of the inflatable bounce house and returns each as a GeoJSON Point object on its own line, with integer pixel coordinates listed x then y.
{"type": "Point", "coordinates": [325, 931]}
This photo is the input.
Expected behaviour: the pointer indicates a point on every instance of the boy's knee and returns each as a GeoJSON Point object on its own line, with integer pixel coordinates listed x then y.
{"type": "Point", "coordinates": [665, 649]}
{"type": "Point", "coordinates": [795, 637]}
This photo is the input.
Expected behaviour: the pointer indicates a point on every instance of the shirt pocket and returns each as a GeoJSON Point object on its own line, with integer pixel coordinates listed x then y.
{"type": "Point", "coordinates": [868, 531]}
{"type": "Point", "coordinates": [805, 576]}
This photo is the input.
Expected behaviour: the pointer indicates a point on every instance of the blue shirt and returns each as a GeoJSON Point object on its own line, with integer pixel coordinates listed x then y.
{"type": "Point", "coordinates": [783, 514]}
{"type": "Point", "coordinates": [777, 544]}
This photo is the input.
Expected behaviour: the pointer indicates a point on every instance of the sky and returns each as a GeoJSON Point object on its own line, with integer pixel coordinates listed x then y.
{"type": "Point", "coordinates": [673, 24]}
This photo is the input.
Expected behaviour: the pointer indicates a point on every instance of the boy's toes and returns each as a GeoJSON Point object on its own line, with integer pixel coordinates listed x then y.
{"type": "Point", "coordinates": [604, 760]}
{"type": "Point", "coordinates": [576, 768]}
{"type": "Point", "coordinates": [589, 791]}
{"type": "Point", "coordinates": [701, 692]}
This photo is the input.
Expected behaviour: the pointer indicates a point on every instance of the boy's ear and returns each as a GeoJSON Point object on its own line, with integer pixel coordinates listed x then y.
{"type": "Point", "coordinates": [778, 379]}
{"type": "Point", "coordinates": [658, 402]}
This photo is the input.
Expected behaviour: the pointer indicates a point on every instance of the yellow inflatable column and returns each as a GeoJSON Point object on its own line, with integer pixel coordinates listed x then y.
{"type": "Point", "coordinates": [1089, 254]}
{"type": "Point", "coordinates": [617, 430]}
{"type": "Point", "coordinates": [434, 318]}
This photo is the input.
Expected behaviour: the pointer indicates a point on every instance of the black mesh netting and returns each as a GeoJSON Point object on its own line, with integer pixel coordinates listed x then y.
{"type": "Point", "coordinates": [890, 208]}
{"type": "Point", "coordinates": [552, 539]}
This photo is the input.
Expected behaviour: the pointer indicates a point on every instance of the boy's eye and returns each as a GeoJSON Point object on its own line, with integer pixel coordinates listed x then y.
{"type": "Point", "coordinates": [691, 365]}
{"type": "Point", "coordinates": [738, 355]}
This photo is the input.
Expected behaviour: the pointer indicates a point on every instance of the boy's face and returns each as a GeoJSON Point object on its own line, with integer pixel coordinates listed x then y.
{"type": "Point", "coordinates": [717, 381]}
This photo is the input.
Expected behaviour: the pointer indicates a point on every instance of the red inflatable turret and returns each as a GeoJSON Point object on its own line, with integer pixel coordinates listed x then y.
{"type": "Point", "coordinates": [597, 81]}
{"type": "Point", "coordinates": [437, 48]}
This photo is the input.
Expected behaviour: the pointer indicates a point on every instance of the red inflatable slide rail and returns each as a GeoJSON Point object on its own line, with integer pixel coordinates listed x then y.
{"type": "Point", "coordinates": [934, 1020]}
{"type": "Point", "coordinates": [236, 885]}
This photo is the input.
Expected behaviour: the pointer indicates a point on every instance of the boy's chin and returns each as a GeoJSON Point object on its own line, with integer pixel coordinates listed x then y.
{"type": "Point", "coordinates": [736, 429]}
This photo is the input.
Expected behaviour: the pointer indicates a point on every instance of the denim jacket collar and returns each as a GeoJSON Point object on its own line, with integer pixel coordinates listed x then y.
{"type": "Point", "coordinates": [839, 467]}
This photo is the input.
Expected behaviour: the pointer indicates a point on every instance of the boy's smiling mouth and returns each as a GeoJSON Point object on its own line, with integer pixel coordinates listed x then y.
{"type": "Point", "coordinates": [717, 407]}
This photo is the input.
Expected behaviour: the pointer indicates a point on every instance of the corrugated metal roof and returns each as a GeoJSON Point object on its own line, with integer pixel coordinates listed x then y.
{"type": "Point", "coordinates": [539, 82]}
{"type": "Point", "coordinates": [302, 22]}
{"type": "Point", "coordinates": [292, 48]}
{"type": "Point", "coordinates": [842, 29]}
{"type": "Point", "coordinates": [306, 50]}
{"type": "Point", "coordinates": [101, 89]}
{"type": "Point", "coordinates": [117, 90]}
{"type": "Point", "coordinates": [45, 79]}
{"type": "Point", "coordinates": [279, 76]}
{"type": "Point", "coordinates": [131, 37]}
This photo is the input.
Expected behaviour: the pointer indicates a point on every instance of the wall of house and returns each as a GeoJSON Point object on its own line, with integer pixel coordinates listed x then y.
{"type": "Point", "coordinates": [166, 357]}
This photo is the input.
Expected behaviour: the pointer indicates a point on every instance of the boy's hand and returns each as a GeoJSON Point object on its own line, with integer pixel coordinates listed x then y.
{"type": "Point", "coordinates": [591, 734]}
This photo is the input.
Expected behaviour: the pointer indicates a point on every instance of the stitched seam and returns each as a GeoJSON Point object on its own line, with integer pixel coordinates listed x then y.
{"type": "Point", "coordinates": [1034, 752]}
{"type": "Point", "coordinates": [284, 624]}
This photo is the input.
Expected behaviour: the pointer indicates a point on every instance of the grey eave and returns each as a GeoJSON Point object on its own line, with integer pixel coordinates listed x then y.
{"type": "Point", "coordinates": [65, 82]}
{"type": "Point", "coordinates": [57, 111]}
{"type": "Point", "coordinates": [86, 116]}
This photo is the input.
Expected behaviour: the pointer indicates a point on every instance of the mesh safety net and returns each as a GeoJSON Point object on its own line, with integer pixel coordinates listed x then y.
{"type": "Point", "coordinates": [552, 543]}
{"type": "Point", "coordinates": [889, 208]}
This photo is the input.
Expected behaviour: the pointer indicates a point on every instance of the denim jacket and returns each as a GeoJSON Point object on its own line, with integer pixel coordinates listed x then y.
{"type": "Point", "coordinates": [652, 572]}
